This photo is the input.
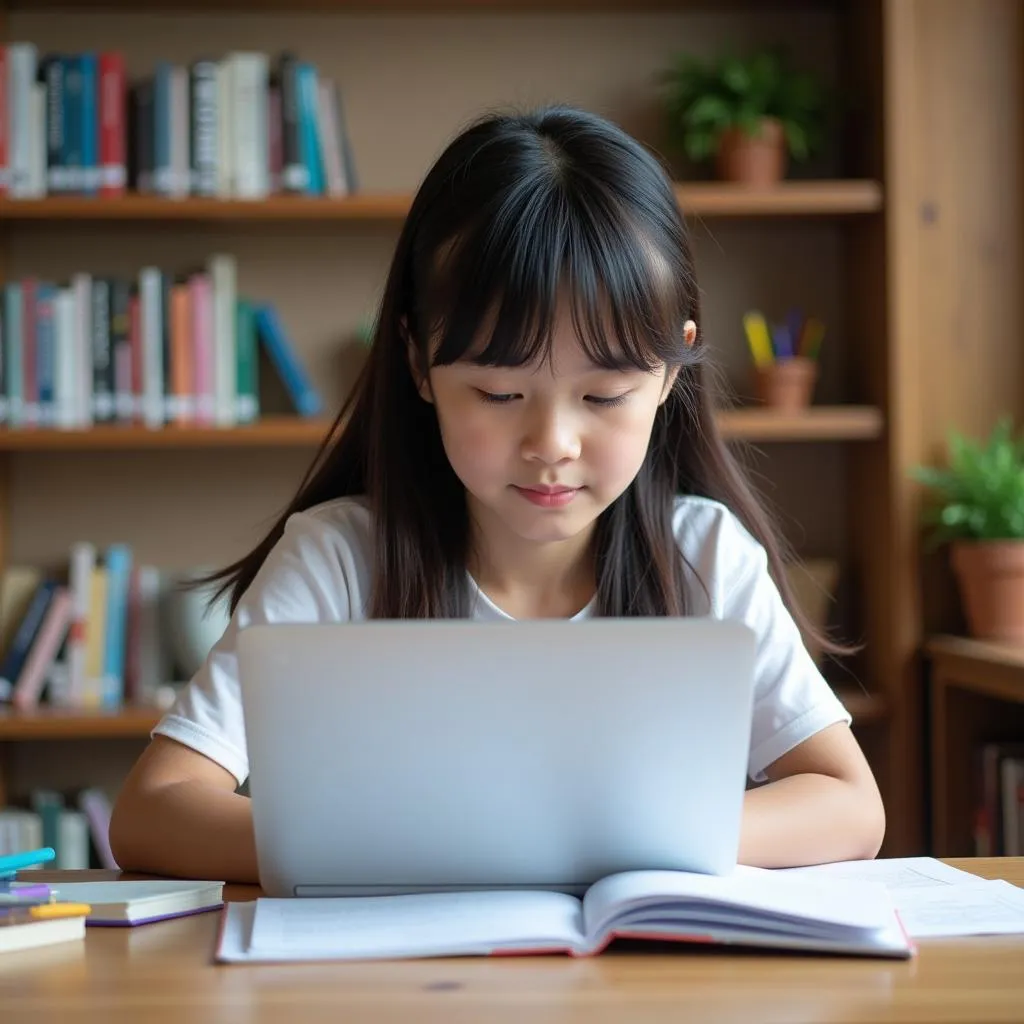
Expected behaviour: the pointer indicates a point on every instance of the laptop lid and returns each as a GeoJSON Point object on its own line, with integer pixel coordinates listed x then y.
{"type": "Point", "coordinates": [404, 756]}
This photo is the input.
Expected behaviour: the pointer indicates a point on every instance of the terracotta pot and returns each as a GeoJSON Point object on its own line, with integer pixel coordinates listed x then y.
{"type": "Point", "coordinates": [990, 574]}
{"type": "Point", "coordinates": [788, 384]}
{"type": "Point", "coordinates": [758, 160]}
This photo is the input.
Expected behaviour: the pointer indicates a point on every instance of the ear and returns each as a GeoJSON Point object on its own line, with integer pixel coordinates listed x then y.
{"type": "Point", "coordinates": [689, 339]}
{"type": "Point", "coordinates": [421, 381]}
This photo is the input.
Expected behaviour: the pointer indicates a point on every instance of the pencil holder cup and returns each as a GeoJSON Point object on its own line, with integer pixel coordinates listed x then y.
{"type": "Point", "coordinates": [787, 384]}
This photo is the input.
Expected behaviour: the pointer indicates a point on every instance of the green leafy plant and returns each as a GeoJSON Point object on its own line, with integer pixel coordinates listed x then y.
{"type": "Point", "coordinates": [980, 494]}
{"type": "Point", "coordinates": [706, 99]}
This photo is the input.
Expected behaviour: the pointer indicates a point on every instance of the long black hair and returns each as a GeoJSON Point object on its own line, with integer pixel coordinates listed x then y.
{"type": "Point", "coordinates": [519, 212]}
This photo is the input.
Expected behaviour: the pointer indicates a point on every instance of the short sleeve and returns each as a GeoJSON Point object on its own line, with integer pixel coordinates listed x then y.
{"type": "Point", "coordinates": [792, 700]}
{"type": "Point", "coordinates": [303, 579]}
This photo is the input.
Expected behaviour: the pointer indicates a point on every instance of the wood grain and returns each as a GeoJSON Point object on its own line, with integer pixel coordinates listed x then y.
{"type": "Point", "coordinates": [164, 972]}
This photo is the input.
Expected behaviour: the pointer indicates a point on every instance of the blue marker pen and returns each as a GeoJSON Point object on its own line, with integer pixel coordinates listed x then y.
{"type": "Point", "coordinates": [15, 861]}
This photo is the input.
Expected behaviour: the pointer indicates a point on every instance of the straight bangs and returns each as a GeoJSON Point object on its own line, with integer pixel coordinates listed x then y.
{"type": "Point", "coordinates": [499, 286]}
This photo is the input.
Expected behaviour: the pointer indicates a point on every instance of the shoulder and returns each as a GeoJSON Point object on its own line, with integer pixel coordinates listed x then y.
{"type": "Point", "coordinates": [323, 558]}
{"type": "Point", "coordinates": [717, 548]}
{"type": "Point", "coordinates": [340, 523]}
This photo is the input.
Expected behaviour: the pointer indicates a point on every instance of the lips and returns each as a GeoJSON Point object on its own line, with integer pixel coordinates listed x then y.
{"type": "Point", "coordinates": [548, 495]}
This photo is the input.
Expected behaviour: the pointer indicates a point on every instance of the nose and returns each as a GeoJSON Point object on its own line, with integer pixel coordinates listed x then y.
{"type": "Point", "coordinates": [552, 437]}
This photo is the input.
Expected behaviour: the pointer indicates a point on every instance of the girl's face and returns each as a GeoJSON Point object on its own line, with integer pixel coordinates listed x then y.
{"type": "Point", "coordinates": [543, 449]}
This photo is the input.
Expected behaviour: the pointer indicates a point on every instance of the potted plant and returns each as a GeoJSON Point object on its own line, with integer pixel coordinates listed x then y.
{"type": "Point", "coordinates": [748, 113]}
{"type": "Point", "coordinates": [978, 510]}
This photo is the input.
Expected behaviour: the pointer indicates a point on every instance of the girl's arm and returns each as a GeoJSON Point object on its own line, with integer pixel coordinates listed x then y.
{"type": "Point", "coordinates": [821, 803]}
{"type": "Point", "coordinates": [178, 814]}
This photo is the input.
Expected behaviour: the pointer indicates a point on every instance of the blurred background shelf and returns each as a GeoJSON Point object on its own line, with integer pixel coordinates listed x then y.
{"type": "Point", "coordinates": [703, 199]}
{"type": "Point", "coordinates": [401, 6]}
{"type": "Point", "coordinates": [826, 423]}
{"type": "Point", "coordinates": [48, 723]}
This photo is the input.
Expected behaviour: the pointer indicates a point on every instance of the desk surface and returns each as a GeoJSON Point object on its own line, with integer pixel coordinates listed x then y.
{"type": "Point", "coordinates": [163, 972]}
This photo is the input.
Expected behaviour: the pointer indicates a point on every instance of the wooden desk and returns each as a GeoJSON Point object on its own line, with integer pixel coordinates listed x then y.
{"type": "Point", "coordinates": [163, 972]}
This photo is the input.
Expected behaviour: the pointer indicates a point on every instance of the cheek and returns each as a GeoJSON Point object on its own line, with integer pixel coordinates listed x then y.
{"type": "Point", "coordinates": [625, 438]}
{"type": "Point", "coordinates": [473, 444]}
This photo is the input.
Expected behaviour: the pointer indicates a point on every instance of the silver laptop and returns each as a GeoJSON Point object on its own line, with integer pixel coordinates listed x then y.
{"type": "Point", "coordinates": [410, 756]}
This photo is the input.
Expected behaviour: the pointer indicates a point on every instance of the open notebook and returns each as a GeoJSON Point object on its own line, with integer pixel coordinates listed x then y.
{"type": "Point", "coordinates": [750, 907]}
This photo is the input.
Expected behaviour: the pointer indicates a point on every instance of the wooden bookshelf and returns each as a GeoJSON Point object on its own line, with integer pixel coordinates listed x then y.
{"type": "Point", "coordinates": [706, 199]}
{"type": "Point", "coordinates": [270, 432]}
{"type": "Point", "coordinates": [398, 6]}
{"type": "Point", "coordinates": [817, 423]}
{"type": "Point", "coordinates": [826, 423]}
{"type": "Point", "coordinates": [977, 696]}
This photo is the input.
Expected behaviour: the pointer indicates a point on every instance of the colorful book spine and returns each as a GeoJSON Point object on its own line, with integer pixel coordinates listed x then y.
{"type": "Point", "coordinates": [305, 397]}
{"type": "Point", "coordinates": [113, 129]}
{"type": "Point", "coordinates": [89, 125]}
{"type": "Point", "coordinates": [118, 566]}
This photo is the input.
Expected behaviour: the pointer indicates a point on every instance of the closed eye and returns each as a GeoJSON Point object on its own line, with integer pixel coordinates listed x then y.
{"type": "Point", "coordinates": [496, 399]}
{"type": "Point", "coordinates": [606, 402]}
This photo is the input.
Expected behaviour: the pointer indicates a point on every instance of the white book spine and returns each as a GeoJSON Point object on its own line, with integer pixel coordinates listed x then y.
{"type": "Point", "coordinates": [67, 367]}
{"type": "Point", "coordinates": [249, 93]}
{"type": "Point", "coordinates": [80, 569]}
{"type": "Point", "coordinates": [151, 319]}
{"type": "Point", "coordinates": [225, 129]}
{"type": "Point", "coordinates": [22, 60]}
{"type": "Point", "coordinates": [223, 278]}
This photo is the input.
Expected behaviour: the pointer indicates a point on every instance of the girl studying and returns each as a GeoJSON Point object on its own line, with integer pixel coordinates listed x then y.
{"type": "Point", "coordinates": [533, 436]}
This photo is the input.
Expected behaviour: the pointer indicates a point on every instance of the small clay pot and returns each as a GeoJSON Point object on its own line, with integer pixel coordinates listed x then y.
{"type": "Point", "coordinates": [756, 160]}
{"type": "Point", "coordinates": [787, 384]}
{"type": "Point", "coordinates": [990, 575]}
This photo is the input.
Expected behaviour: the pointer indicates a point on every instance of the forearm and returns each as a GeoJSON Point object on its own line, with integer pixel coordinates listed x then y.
{"type": "Point", "coordinates": [810, 819]}
{"type": "Point", "coordinates": [188, 829]}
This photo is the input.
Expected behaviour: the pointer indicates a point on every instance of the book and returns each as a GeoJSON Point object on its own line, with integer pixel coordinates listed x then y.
{"type": "Point", "coordinates": [749, 907]}
{"type": "Point", "coordinates": [33, 934]}
{"type": "Point", "coordinates": [140, 902]}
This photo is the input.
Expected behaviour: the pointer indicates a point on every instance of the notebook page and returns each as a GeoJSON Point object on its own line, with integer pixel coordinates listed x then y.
{"type": "Point", "coordinates": [759, 893]}
{"type": "Point", "coordinates": [429, 924]}
{"type": "Point", "coordinates": [988, 908]}
{"type": "Point", "coordinates": [894, 873]}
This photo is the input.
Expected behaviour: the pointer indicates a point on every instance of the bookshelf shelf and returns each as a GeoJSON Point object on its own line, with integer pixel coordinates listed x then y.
{"type": "Point", "coordinates": [826, 423]}
{"type": "Point", "coordinates": [398, 6]}
{"type": "Point", "coordinates": [702, 199]}
{"type": "Point", "coordinates": [270, 432]}
{"type": "Point", "coordinates": [818, 423]}
{"type": "Point", "coordinates": [976, 696]}
{"type": "Point", "coordinates": [46, 723]}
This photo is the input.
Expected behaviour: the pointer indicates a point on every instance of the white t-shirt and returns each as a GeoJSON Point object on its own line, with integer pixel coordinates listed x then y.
{"type": "Point", "coordinates": [320, 571]}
